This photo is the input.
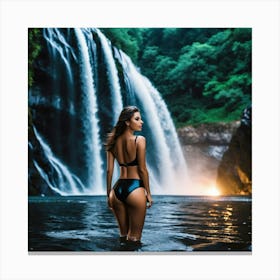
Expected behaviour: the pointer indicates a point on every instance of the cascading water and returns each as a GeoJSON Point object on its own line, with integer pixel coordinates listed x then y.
{"type": "Point", "coordinates": [61, 181]}
{"type": "Point", "coordinates": [78, 69]}
{"type": "Point", "coordinates": [90, 117]}
{"type": "Point", "coordinates": [167, 154]}
{"type": "Point", "coordinates": [113, 78]}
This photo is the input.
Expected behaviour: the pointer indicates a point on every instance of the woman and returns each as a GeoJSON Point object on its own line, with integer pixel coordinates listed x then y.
{"type": "Point", "coordinates": [131, 192]}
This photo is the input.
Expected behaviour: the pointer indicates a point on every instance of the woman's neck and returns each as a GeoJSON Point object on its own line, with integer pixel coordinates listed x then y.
{"type": "Point", "coordinates": [128, 132]}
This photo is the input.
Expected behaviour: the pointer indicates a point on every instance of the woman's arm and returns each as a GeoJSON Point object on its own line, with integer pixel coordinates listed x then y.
{"type": "Point", "coordinates": [142, 169]}
{"type": "Point", "coordinates": [110, 169]}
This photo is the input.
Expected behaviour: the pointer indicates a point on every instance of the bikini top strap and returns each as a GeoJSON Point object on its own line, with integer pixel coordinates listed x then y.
{"type": "Point", "coordinates": [136, 139]}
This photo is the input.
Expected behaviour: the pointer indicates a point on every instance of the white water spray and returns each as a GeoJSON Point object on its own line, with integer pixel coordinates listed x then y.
{"type": "Point", "coordinates": [90, 117]}
{"type": "Point", "coordinates": [89, 106]}
{"type": "Point", "coordinates": [58, 45]}
{"type": "Point", "coordinates": [168, 152]}
{"type": "Point", "coordinates": [68, 183]}
{"type": "Point", "coordinates": [112, 74]}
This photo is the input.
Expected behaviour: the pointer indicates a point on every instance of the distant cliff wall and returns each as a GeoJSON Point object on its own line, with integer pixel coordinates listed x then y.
{"type": "Point", "coordinates": [219, 153]}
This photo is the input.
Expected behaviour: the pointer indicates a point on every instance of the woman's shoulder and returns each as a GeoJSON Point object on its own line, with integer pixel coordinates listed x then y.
{"type": "Point", "coordinates": [141, 140]}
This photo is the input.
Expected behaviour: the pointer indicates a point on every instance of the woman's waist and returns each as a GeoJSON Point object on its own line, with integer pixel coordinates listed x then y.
{"type": "Point", "coordinates": [129, 174]}
{"type": "Point", "coordinates": [130, 178]}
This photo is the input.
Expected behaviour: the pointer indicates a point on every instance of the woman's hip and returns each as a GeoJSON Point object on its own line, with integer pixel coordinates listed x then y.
{"type": "Point", "coordinates": [124, 187]}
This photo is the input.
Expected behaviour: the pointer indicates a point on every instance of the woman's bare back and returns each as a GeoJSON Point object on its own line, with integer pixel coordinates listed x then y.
{"type": "Point", "coordinates": [125, 151]}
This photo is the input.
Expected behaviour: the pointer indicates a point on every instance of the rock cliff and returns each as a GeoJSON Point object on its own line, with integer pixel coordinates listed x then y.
{"type": "Point", "coordinates": [209, 134]}
{"type": "Point", "coordinates": [203, 148]}
{"type": "Point", "coordinates": [221, 153]}
{"type": "Point", "coordinates": [234, 174]}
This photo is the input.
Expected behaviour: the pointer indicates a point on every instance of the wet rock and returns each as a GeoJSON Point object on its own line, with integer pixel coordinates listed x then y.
{"type": "Point", "coordinates": [210, 134]}
{"type": "Point", "coordinates": [234, 174]}
{"type": "Point", "coordinates": [203, 147]}
{"type": "Point", "coordinates": [220, 152]}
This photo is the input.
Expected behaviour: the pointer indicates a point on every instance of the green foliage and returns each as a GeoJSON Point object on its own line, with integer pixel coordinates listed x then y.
{"type": "Point", "coordinates": [204, 75]}
{"type": "Point", "coordinates": [34, 48]}
{"type": "Point", "coordinates": [234, 87]}
{"type": "Point", "coordinates": [127, 39]}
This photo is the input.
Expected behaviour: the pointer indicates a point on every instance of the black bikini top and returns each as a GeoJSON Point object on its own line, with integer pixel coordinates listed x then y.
{"type": "Point", "coordinates": [132, 163]}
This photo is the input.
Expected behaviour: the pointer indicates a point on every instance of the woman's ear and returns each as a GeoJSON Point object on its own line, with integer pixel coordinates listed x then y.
{"type": "Point", "coordinates": [127, 123]}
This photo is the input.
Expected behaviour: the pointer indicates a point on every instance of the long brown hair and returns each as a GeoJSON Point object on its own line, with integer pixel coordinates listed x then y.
{"type": "Point", "coordinates": [125, 115]}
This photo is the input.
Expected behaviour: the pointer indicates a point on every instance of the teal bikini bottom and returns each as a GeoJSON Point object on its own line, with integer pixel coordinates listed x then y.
{"type": "Point", "coordinates": [123, 187]}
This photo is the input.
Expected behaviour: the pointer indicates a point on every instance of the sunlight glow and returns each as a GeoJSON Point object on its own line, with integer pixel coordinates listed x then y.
{"type": "Point", "coordinates": [213, 191]}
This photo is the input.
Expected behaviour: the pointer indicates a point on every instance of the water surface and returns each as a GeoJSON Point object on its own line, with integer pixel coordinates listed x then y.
{"type": "Point", "coordinates": [173, 224]}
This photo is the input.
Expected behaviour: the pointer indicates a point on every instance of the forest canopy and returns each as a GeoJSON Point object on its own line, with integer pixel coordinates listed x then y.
{"type": "Point", "coordinates": [203, 74]}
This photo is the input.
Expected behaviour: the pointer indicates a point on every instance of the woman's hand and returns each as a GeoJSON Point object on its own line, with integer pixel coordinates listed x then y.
{"type": "Point", "coordinates": [149, 200]}
{"type": "Point", "coordinates": [109, 202]}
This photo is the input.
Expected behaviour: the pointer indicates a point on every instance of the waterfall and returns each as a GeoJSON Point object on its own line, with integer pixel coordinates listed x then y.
{"type": "Point", "coordinates": [59, 47]}
{"type": "Point", "coordinates": [167, 152]}
{"type": "Point", "coordinates": [77, 102]}
{"type": "Point", "coordinates": [167, 125]}
{"type": "Point", "coordinates": [112, 75]}
{"type": "Point", "coordinates": [62, 181]}
{"type": "Point", "coordinates": [90, 119]}
{"type": "Point", "coordinates": [60, 52]}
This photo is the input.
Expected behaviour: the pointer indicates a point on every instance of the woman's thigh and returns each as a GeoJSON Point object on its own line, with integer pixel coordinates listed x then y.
{"type": "Point", "coordinates": [120, 212]}
{"type": "Point", "coordinates": [136, 207]}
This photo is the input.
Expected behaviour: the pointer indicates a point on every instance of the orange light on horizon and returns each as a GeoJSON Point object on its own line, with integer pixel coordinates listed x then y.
{"type": "Point", "coordinates": [213, 191]}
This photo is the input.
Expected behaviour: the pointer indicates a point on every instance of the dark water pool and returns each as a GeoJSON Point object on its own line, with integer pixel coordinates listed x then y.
{"type": "Point", "coordinates": [174, 223]}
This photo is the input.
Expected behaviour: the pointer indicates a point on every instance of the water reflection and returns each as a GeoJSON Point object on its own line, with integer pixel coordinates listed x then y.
{"type": "Point", "coordinates": [172, 224]}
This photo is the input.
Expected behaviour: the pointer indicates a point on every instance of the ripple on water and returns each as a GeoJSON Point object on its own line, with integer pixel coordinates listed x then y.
{"type": "Point", "coordinates": [172, 224]}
